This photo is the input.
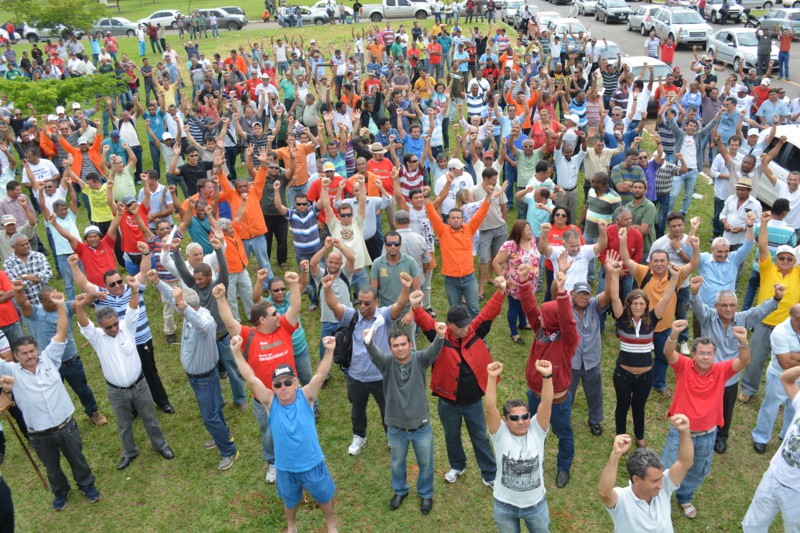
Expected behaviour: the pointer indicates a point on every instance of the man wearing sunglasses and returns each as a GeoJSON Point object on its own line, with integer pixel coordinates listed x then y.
{"type": "Point", "coordinates": [289, 412]}
{"type": "Point", "coordinates": [115, 344]}
{"type": "Point", "coordinates": [518, 438]}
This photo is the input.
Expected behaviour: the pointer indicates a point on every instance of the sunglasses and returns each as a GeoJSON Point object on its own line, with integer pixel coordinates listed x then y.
{"type": "Point", "coordinates": [112, 284]}
{"type": "Point", "coordinates": [785, 258]}
{"type": "Point", "coordinates": [362, 304]}
{"type": "Point", "coordinates": [516, 418]}
{"type": "Point", "coordinates": [111, 326]}
{"type": "Point", "coordinates": [345, 215]}
{"type": "Point", "coordinates": [279, 384]}
{"type": "Point", "coordinates": [279, 289]}
{"type": "Point", "coordinates": [564, 215]}
{"type": "Point", "coordinates": [392, 244]}
{"type": "Point", "coordinates": [301, 204]}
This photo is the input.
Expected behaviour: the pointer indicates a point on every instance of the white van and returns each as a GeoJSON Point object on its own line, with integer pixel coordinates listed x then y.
{"type": "Point", "coordinates": [787, 160]}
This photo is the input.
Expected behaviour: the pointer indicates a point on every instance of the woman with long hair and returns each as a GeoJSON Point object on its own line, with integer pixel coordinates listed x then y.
{"type": "Point", "coordinates": [545, 123]}
{"type": "Point", "coordinates": [633, 375]}
{"type": "Point", "coordinates": [519, 249]}
{"type": "Point", "coordinates": [560, 221]}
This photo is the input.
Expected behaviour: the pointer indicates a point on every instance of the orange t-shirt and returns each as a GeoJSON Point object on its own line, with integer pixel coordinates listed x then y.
{"type": "Point", "coordinates": [235, 254]}
{"type": "Point", "coordinates": [253, 224]}
{"type": "Point", "coordinates": [301, 164]}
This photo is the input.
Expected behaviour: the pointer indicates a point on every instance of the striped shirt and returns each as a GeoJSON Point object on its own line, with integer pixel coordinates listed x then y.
{"type": "Point", "coordinates": [120, 305]}
{"type": "Point", "coordinates": [305, 232]}
{"type": "Point", "coordinates": [622, 174]}
{"type": "Point", "coordinates": [636, 341]}
{"type": "Point", "coordinates": [664, 176]}
{"type": "Point", "coordinates": [600, 208]}
{"type": "Point", "coordinates": [610, 82]}
{"type": "Point", "coordinates": [476, 105]}
{"type": "Point", "coordinates": [156, 247]}
{"type": "Point", "coordinates": [778, 233]}
{"type": "Point", "coordinates": [579, 109]}
{"type": "Point", "coordinates": [667, 138]}
{"type": "Point", "coordinates": [410, 180]}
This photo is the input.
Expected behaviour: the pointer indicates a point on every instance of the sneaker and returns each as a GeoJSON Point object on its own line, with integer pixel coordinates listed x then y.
{"type": "Point", "coordinates": [313, 307]}
{"type": "Point", "coordinates": [685, 348]}
{"type": "Point", "coordinates": [489, 484]}
{"type": "Point", "coordinates": [92, 494]}
{"type": "Point", "coordinates": [171, 339]}
{"type": "Point", "coordinates": [226, 462]}
{"type": "Point", "coordinates": [242, 406]}
{"type": "Point", "coordinates": [223, 374]}
{"type": "Point", "coordinates": [357, 445]}
{"type": "Point", "coordinates": [59, 502]}
{"type": "Point", "coordinates": [272, 474]}
{"type": "Point", "coordinates": [209, 444]}
{"type": "Point", "coordinates": [98, 419]}
{"type": "Point", "coordinates": [452, 475]}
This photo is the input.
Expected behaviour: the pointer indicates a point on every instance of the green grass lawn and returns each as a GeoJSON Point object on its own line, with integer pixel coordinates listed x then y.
{"type": "Point", "coordinates": [189, 494]}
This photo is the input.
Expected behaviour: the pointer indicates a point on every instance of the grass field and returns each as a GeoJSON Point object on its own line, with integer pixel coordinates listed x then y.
{"type": "Point", "coordinates": [188, 494]}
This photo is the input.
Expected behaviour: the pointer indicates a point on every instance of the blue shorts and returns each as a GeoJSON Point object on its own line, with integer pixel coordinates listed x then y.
{"type": "Point", "coordinates": [317, 481]}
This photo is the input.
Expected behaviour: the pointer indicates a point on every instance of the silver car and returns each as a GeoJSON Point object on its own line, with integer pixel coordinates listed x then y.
{"type": "Point", "coordinates": [116, 26]}
{"type": "Point", "coordinates": [509, 11]}
{"type": "Point", "coordinates": [738, 46]}
{"type": "Point", "coordinates": [225, 19]}
{"type": "Point", "coordinates": [713, 13]}
{"type": "Point", "coordinates": [314, 15]}
{"type": "Point", "coordinates": [693, 28]}
{"type": "Point", "coordinates": [585, 7]}
{"type": "Point", "coordinates": [641, 19]}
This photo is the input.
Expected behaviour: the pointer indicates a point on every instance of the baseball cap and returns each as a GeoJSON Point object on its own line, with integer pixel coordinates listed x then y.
{"type": "Point", "coordinates": [458, 316]}
{"type": "Point", "coordinates": [52, 118]}
{"type": "Point", "coordinates": [582, 286]}
{"type": "Point", "coordinates": [746, 183]}
{"type": "Point", "coordinates": [76, 105]}
{"type": "Point", "coordinates": [60, 109]}
{"type": "Point", "coordinates": [488, 153]}
{"type": "Point", "coordinates": [91, 229]}
{"type": "Point", "coordinates": [328, 167]}
{"type": "Point", "coordinates": [765, 81]}
{"type": "Point", "coordinates": [128, 198]}
{"type": "Point", "coordinates": [114, 133]}
{"type": "Point", "coordinates": [572, 117]}
{"type": "Point", "coordinates": [167, 136]}
{"type": "Point", "coordinates": [283, 370]}
{"type": "Point", "coordinates": [9, 219]}
{"type": "Point", "coordinates": [455, 163]}
{"type": "Point", "coordinates": [782, 249]}
{"type": "Point", "coordinates": [83, 140]}
{"type": "Point", "coordinates": [753, 131]}
{"type": "Point", "coordinates": [741, 88]}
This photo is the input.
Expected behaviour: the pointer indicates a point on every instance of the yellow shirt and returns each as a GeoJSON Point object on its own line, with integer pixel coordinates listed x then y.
{"type": "Point", "coordinates": [770, 275]}
{"type": "Point", "coordinates": [98, 199]}
{"type": "Point", "coordinates": [422, 86]}
{"type": "Point", "coordinates": [655, 289]}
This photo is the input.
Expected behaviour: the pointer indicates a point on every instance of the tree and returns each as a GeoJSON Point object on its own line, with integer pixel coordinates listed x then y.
{"type": "Point", "coordinates": [46, 95]}
{"type": "Point", "coordinates": [67, 14]}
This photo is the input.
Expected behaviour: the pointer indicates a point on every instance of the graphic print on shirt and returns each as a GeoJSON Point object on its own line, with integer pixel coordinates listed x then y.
{"type": "Point", "coordinates": [521, 475]}
{"type": "Point", "coordinates": [791, 450]}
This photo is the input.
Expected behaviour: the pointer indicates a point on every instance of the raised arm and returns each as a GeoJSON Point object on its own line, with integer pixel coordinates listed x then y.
{"type": "Point", "coordinates": [493, 418]}
{"type": "Point", "coordinates": [225, 313]}
{"type": "Point", "coordinates": [669, 348]}
{"type": "Point", "coordinates": [261, 392]}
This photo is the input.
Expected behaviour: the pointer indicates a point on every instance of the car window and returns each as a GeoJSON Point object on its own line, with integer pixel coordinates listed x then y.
{"type": "Point", "coordinates": [115, 22]}
{"type": "Point", "coordinates": [104, 22]}
{"type": "Point", "coordinates": [403, 3]}
{"type": "Point", "coordinates": [391, 3]}
{"type": "Point", "coordinates": [686, 17]}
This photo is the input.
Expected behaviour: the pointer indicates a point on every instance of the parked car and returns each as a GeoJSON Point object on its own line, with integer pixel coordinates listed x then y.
{"type": "Point", "coordinates": [713, 13]}
{"type": "Point", "coordinates": [787, 160]}
{"type": "Point", "coordinates": [612, 11]}
{"type": "Point", "coordinates": [563, 26]}
{"type": "Point", "coordinates": [115, 25]}
{"type": "Point", "coordinates": [314, 15]}
{"type": "Point", "coordinates": [226, 19]}
{"type": "Point", "coordinates": [556, 2]}
{"type": "Point", "coordinates": [782, 18]}
{"type": "Point", "coordinates": [693, 29]}
{"type": "Point", "coordinates": [758, 4]}
{"type": "Point", "coordinates": [532, 9]}
{"type": "Point", "coordinates": [418, 9]}
{"type": "Point", "coordinates": [788, 3]}
{"type": "Point", "coordinates": [509, 11]}
{"type": "Point", "coordinates": [543, 17]}
{"type": "Point", "coordinates": [738, 46]}
{"type": "Point", "coordinates": [33, 35]}
{"type": "Point", "coordinates": [636, 64]}
{"type": "Point", "coordinates": [323, 4]}
{"type": "Point", "coordinates": [585, 7]}
{"type": "Point", "coordinates": [610, 49]}
{"type": "Point", "coordinates": [168, 18]}
{"type": "Point", "coordinates": [642, 19]}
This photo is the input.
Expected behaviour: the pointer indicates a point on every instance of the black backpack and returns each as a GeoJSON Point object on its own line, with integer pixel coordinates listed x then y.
{"type": "Point", "coordinates": [343, 352]}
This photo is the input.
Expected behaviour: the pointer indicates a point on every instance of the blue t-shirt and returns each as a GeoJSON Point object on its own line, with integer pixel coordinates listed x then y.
{"type": "Point", "coordinates": [413, 146]}
{"type": "Point", "coordinates": [43, 324]}
{"type": "Point", "coordinates": [295, 434]}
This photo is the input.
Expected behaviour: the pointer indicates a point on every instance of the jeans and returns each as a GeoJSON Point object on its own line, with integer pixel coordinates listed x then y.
{"type": "Point", "coordinates": [65, 441]}
{"type": "Point", "coordinates": [327, 331]}
{"type": "Point", "coordinates": [359, 280]}
{"type": "Point", "coordinates": [632, 392]}
{"type": "Point", "coordinates": [358, 392]}
{"type": "Point", "coordinates": [660, 363]}
{"type": "Point", "coordinates": [536, 517]}
{"type": "Point", "coordinates": [142, 48]}
{"type": "Point", "coordinates": [759, 351]}
{"type": "Point", "coordinates": [422, 441]}
{"type": "Point", "coordinates": [436, 70]}
{"type": "Point", "coordinates": [178, 181]}
{"type": "Point", "coordinates": [6, 508]}
{"type": "Point", "coordinates": [515, 315]}
{"type": "Point", "coordinates": [74, 374]}
{"type": "Point", "coordinates": [560, 420]}
{"type": "Point", "coordinates": [774, 396]}
{"type": "Point", "coordinates": [703, 454]}
{"type": "Point", "coordinates": [592, 389]}
{"type": "Point", "coordinates": [137, 151]}
{"type": "Point", "coordinates": [663, 210]}
{"type": "Point", "coordinates": [168, 312]}
{"type": "Point", "coordinates": [278, 227]}
{"type": "Point", "coordinates": [772, 497]}
{"type": "Point", "coordinates": [686, 182]}
{"type": "Point", "coordinates": [240, 288]}
{"type": "Point", "coordinates": [155, 155]}
{"type": "Point", "coordinates": [230, 159]}
{"type": "Point", "coordinates": [753, 285]}
{"type": "Point", "coordinates": [682, 311]}
{"type": "Point", "coordinates": [302, 362]}
{"type": "Point", "coordinates": [214, 31]}
{"type": "Point", "coordinates": [124, 402]}
{"type": "Point", "coordinates": [728, 403]}
{"type": "Point", "coordinates": [311, 287]}
{"type": "Point", "coordinates": [783, 65]}
{"type": "Point", "coordinates": [66, 275]}
{"type": "Point", "coordinates": [156, 46]}
{"type": "Point", "coordinates": [292, 192]}
{"type": "Point", "coordinates": [549, 275]}
{"type": "Point", "coordinates": [267, 445]}
{"type": "Point", "coordinates": [226, 356]}
{"type": "Point", "coordinates": [283, 67]}
{"type": "Point", "coordinates": [510, 175]}
{"type": "Point", "coordinates": [465, 286]}
{"type": "Point", "coordinates": [12, 332]}
{"type": "Point", "coordinates": [451, 414]}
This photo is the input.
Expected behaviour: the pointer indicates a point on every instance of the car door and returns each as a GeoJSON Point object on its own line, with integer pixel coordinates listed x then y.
{"type": "Point", "coordinates": [725, 50]}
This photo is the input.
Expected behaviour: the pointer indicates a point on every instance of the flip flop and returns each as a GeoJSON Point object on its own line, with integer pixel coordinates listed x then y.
{"type": "Point", "coordinates": [689, 511]}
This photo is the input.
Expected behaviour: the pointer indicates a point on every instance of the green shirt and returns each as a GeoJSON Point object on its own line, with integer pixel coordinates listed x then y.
{"type": "Point", "coordinates": [288, 89]}
{"type": "Point", "coordinates": [600, 208]}
{"type": "Point", "coordinates": [388, 276]}
{"type": "Point", "coordinates": [622, 174]}
{"type": "Point", "coordinates": [526, 166]}
{"type": "Point", "coordinates": [645, 213]}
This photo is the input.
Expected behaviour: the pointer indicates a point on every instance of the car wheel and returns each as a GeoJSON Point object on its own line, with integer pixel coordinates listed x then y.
{"type": "Point", "coordinates": [767, 5]}
{"type": "Point", "coordinates": [420, 15]}
{"type": "Point", "coordinates": [796, 5]}
{"type": "Point", "coordinates": [375, 17]}
{"type": "Point", "coordinates": [737, 63]}
{"type": "Point", "coordinates": [174, 25]}
{"type": "Point", "coordinates": [630, 28]}
{"type": "Point", "coordinates": [233, 26]}
{"type": "Point", "coordinates": [319, 22]}
{"type": "Point", "coordinates": [643, 30]}
{"type": "Point", "coordinates": [32, 38]}
{"type": "Point", "coordinates": [605, 19]}
{"type": "Point", "coordinates": [130, 33]}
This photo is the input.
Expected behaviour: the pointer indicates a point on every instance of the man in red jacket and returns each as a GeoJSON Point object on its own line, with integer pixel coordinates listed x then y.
{"type": "Point", "coordinates": [556, 340]}
{"type": "Point", "coordinates": [459, 377]}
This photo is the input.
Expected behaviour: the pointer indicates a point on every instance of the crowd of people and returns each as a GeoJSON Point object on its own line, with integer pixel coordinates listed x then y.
{"type": "Point", "coordinates": [407, 155]}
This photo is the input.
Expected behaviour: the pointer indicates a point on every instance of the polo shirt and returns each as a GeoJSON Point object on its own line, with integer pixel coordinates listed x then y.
{"type": "Point", "coordinates": [622, 174]}
{"type": "Point", "coordinates": [634, 514]}
{"type": "Point", "coordinates": [699, 397]}
{"type": "Point", "coordinates": [97, 261]}
{"type": "Point", "coordinates": [305, 232]}
{"type": "Point", "coordinates": [645, 213]}
{"type": "Point", "coordinates": [778, 233]}
{"type": "Point", "coordinates": [770, 275]}
{"type": "Point", "coordinates": [361, 366]}
{"type": "Point", "coordinates": [655, 289]}
{"type": "Point", "coordinates": [268, 350]}
{"type": "Point", "coordinates": [340, 289]}
{"type": "Point", "coordinates": [587, 354]}
{"type": "Point", "coordinates": [388, 276]}
{"type": "Point", "coordinates": [8, 311]}
{"type": "Point", "coordinates": [579, 269]}
{"type": "Point", "coordinates": [720, 276]}
{"type": "Point", "coordinates": [735, 215]}
{"type": "Point", "coordinates": [567, 171]}
{"type": "Point", "coordinates": [600, 208]}
{"type": "Point", "coordinates": [120, 304]}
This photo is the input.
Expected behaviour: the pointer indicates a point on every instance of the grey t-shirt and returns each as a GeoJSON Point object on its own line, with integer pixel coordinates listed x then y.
{"type": "Point", "coordinates": [340, 290]}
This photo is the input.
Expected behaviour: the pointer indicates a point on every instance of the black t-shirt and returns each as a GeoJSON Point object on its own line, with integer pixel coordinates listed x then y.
{"type": "Point", "coordinates": [480, 45]}
{"type": "Point", "coordinates": [192, 174]}
{"type": "Point", "coordinates": [148, 80]}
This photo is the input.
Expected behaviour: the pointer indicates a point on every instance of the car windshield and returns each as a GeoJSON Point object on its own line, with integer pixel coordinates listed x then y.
{"type": "Point", "coordinates": [687, 18]}
{"type": "Point", "coordinates": [611, 51]}
{"type": "Point", "coordinates": [514, 5]}
{"type": "Point", "coordinates": [617, 3]}
{"type": "Point", "coordinates": [747, 39]}
{"type": "Point", "coordinates": [658, 70]}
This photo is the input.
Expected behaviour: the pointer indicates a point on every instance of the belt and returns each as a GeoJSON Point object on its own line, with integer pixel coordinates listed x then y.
{"type": "Point", "coordinates": [71, 361]}
{"type": "Point", "coordinates": [570, 190]}
{"type": "Point", "coordinates": [701, 433]}
{"type": "Point", "coordinates": [50, 431]}
{"type": "Point", "coordinates": [203, 375]}
{"type": "Point", "coordinates": [415, 429]}
{"type": "Point", "coordinates": [560, 399]}
{"type": "Point", "coordinates": [140, 378]}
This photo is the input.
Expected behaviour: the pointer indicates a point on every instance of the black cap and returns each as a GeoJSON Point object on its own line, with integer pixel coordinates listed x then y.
{"type": "Point", "coordinates": [582, 286]}
{"type": "Point", "coordinates": [283, 370]}
{"type": "Point", "coordinates": [459, 316]}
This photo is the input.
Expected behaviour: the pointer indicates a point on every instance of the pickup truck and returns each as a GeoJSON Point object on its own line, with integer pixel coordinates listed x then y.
{"type": "Point", "coordinates": [397, 9]}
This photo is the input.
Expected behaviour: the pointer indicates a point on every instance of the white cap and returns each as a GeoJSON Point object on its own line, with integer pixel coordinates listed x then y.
{"type": "Point", "coordinates": [785, 249]}
{"type": "Point", "coordinates": [166, 136]}
{"type": "Point", "coordinates": [52, 118]}
{"type": "Point", "coordinates": [455, 163]}
{"type": "Point", "coordinates": [76, 105]}
{"type": "Point", "coordinates": [83, 140]}
{"type": "Point", "coordinates": [60, 110]}
{"type": "Point", "coordinates": [572, 117]}
{"type": "Point", "coordinates": [753, 131]}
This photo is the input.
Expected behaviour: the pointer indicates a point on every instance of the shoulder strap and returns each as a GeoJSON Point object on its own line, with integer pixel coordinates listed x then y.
{"type": "Point", "coordinates": [247, 344]}
{"type": "Point", "coordinates": [344, 278]}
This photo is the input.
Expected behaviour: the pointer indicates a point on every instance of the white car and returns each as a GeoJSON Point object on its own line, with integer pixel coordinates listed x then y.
{"type": "Point", "coordinates": [509, 11]}
{"type": "Point", "coordinates": [323, 4]}
{"type": "Point", "coordinates": [737, 47]}
{"type": "Point", "coordinates": [168, 18]}
{"type": "Point", "coordinates": [543, 17]}
{"type": "Point", "coordinates": [585, 7]}
{"type": "Point", "coordinates": [565, 26]}
{"type": "Point", "coordinates": [787, 160]}
{"type": "Point", "coordinates": [693, 29]}
{"type": "Point", "coordinates": [641, 19]}
{"type": "Point", "coordinates": [636, 64]}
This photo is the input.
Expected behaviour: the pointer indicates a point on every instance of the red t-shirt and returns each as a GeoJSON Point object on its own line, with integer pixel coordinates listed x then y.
{"type": "Point", "coordinates": [315, 191]}
{"type": "Point", "coordinates": [370, 83]}
{"type": "Point", "coordinates": [97, 262]}
{"type": "Point", "coordinates": [668, 90]}
{"type": "Point", "coordinates": [635, 244]}
{"type": "Point", "coordinates": [435, 47]}
{"type": "Point", "coordinates": [267, 351]}
{"type": "Point", "coordinates": [8, 313]}
{"type": "Point", "coordinates": [667, 53]}
{"type": "Point", "coordinates": [383, 169]}
{"type": "Point", "coordinates": [130, 231]}
{"type": "Point", "coordinates": [785, 41]}
{"type": "Point", "coordinates": [700, 397]}
{"type": "Point", "coordinates": [556, 238]}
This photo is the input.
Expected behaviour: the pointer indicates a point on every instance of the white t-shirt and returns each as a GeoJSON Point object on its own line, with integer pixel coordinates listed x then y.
{"type": "Point", "coordinates": [462, 182]}
{"type": "Point", "coordinates": [793, 216]}
{"type": "Point", "coordinates": [280, 53]}
{"type": "Point", "coordinates": [520, 479]}
{"type": "Point", "coordinates": [633, 514]}
{"type": "Point", "coordinates": [579, 269]}
{"type": "Point", "coordinates": [785, 464]}
{"type": "Point", "coordinates": [689, 152]}
{"type": "Point", "coordinates": [43, 171]}
{"type": "Point", "coordinates": [641, 101]}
